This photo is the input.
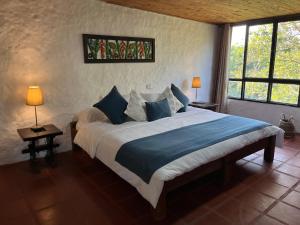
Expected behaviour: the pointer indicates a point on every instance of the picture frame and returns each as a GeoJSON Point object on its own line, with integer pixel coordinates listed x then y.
{"type": "Point", "coordinates": [118, 49]}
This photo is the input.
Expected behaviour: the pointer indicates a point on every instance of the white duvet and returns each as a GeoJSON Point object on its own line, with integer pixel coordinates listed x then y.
{"type": "Point", "coordinates": [103, 140]}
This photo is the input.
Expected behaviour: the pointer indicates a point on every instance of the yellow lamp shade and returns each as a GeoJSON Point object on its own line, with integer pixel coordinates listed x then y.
{"type": "Point", "coordinates": [34, 96]}
{"type": "Point", "coordinates": [196, 82]}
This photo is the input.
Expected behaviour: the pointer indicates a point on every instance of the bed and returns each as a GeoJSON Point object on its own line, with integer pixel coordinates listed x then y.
{"type": "Point", "coordinates": [109, 143]}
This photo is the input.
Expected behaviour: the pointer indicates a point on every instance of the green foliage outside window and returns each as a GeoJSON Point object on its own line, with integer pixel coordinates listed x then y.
{"type": "Point", "coordinates": [286, 62]}
{"type": "Point", "coordinates": [259, 51]}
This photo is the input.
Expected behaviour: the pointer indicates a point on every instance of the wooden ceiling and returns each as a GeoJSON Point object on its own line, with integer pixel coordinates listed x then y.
{"type": "Point", "coordinates": [215, 11]}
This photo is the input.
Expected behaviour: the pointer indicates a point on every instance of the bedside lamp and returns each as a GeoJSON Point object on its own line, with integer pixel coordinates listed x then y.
{"type": "Point", "coordinates": [196, 84]}
{"type": "Point", "coordinates": [35, 98]}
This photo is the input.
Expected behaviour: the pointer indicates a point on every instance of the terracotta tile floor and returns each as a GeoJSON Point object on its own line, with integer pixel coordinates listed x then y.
{"type": "Point", "coordinates": [85, 192]}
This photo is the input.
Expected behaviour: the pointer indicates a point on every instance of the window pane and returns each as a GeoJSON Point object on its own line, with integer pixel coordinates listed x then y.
{"type": "Point", "coordinates": [259, 50]}
{"type": "Point", "coordinates": [237, 51]}
{"type": "Point", "coordinates": [285, 93]}
{"type": "Point", "coordinates": [234, 89]}
{"type": "Point", "coordinates": [256, 91]}
{"type": "Point", "coordinates": [287, 59]}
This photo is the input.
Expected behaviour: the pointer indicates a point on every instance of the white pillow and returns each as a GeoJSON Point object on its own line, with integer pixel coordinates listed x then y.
{"type": "Point", "coordinates": [174, 103]}
{"type": "Point", "coordinates": [136, 107]}
{"type": "Point", "coordinates": [151, 97]}
{"type": "Point", "coordinates": [89, 115]}
{"type": "Point", "coordinates": [126, 97]}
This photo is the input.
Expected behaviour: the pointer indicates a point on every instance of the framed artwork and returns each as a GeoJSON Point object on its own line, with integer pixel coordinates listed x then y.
{"type": "Point", "coordinates": [116, 49]}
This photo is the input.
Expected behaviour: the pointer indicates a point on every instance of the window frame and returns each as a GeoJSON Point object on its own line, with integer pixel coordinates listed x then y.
{"type": "Point", "coordinates": [270, 80]}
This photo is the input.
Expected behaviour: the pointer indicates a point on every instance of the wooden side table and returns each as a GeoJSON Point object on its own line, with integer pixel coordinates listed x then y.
{"type": "Point", "coordinates": [205, 105]}
{"type": "Point", "coordinates": [49, 132]}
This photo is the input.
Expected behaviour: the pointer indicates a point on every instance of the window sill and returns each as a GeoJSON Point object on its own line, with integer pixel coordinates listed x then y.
{"type": "Point", "coordinates": [262, 102]}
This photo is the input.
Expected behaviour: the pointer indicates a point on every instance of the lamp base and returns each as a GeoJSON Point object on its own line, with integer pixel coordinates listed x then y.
{"type": "Point", "coordinates": [37, 128]}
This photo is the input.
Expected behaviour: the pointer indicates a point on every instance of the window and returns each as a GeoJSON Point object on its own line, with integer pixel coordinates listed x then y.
{"type": "Point", "coordinates": [264, 62]}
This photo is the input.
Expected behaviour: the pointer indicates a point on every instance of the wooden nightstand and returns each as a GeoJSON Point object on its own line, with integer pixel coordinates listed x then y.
{"type": "Point", "coordinates": [49, 132]}
{"type": "Point", "coordinates": [205, 105]}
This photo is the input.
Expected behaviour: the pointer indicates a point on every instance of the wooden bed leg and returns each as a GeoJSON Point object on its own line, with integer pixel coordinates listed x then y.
{"type": "Point", "coordinates": [228, 172]}
{"type": "Point", "coordinates": [270, 149]}
{"type": "Point", "coordinates": [160, 212]}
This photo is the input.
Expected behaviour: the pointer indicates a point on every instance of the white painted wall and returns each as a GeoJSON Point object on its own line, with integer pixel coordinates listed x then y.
{"type": "Point", "coordinates": [266, 112]}
{"type": "Point", "coordinates": [41, 44]}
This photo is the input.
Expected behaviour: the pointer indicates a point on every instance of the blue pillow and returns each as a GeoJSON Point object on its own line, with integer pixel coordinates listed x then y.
{"type": "Point", "coordinates": [181, 97]}
{"type": "Point", "coordinates": [157, 110]}
{"type": "Point", "coordinates": [113, 106]}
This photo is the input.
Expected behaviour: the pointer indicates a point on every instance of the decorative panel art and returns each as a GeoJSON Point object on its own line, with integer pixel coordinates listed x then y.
{"type": "Point", "coordinates": [115, 49]}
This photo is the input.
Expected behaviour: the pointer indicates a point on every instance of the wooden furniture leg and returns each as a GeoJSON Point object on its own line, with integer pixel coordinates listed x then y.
{"type": "Point", "coordinates": [228, 172]}
{"type": "Point", "coordinates": [50, 154]}
{"type": "Point", "coordinates": [32, 152]}
{"type": "Point", "coordinates": [270, 150]}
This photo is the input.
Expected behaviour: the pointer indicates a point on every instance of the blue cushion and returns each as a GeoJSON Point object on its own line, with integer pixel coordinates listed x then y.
{"type": "Point", "coordinates": [181, 97]}
{"type": "Point", "coordinates": [157, 110]}
{"type": "Point", "coordinates": [113, 106]}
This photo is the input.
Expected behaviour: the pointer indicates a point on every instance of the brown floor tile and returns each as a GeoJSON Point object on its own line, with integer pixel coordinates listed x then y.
{"type": "Point", "coordinates": [269, 188]}
{"type": "Point", "coordinates": [293, 142]}
{"type": "Point", "coordinates": [194, 214]}
{"type": "Point", "coordinates": [40, 198]}
{"type": "Point", "coordinates": [170, 220]}
{"type": "Point", "coordinates": [208, 195]}
{"type": "Point", "coordinates": [120, 191]}
{"type": "Point", "coordinates": [260, 161]}
{"type": "Point", "coordinates": [294, 161]}
{"type": "Point", "coordinates": [293, 198]}
{"type": "Point", "coordinates": [23, 220]}
{"type": "Point", "coordinates": [250, 173]}
{"type": "Point", "coordinates": [212, 198]}
{"type": "Point", "coordinates": [62, 213]}
{"type": "Point", "coordinates": [297, 188]}
{"type": "Point", "coordinates": [251, 157]}
{"type": "Point", "coordinates": [282, 179]}
{"type": "Point", "coordinates": [235, 212]}
{"type": "Point", "coordinates": [135, 206]}
{"type": "Point", "coordinates": [261, 152]}
{"type": "Point", "coordinates": [215, 201]}
{"type": "Point", "coordinates": [104, 179]}
{"type": "Point", "coordinates": [283, 155]}
{"type": "Point", "coordinates": [288, 169]}
{"type": "Point", "coordinates": [212, 219]}
{"type": "Point", "coordinates": [9, 192]}
{"type": "Point", "coordinates": [224, 195]}
{"type": "Point", "coordinates": [285, 213]}
{"type": "Point", "coordinates": [265, 220]}
{"type": "Point", "coordinates": [241, 162]}
{"type": "Point", "coordinates": [253, 168]}
{"type": "Point", "coordinates": [14, 209]}
{"type": "Point", "coordinates": [82, 191]}
{"type": "Point", "coordinates": [255, 200]}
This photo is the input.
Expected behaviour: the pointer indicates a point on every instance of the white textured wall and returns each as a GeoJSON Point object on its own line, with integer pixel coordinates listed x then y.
{"type": "Point", "coordinates": [266, 112]}
{"type": "Point", "coordinates": [41, 44]}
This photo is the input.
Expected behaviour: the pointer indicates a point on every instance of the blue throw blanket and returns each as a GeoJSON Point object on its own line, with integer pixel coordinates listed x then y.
{"type": "Point", "coordinates": [145, 155]}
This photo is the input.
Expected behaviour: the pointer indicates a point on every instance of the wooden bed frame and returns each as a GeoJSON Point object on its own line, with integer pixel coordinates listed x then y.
{"type": "Point", "coordinates": [225, 164]}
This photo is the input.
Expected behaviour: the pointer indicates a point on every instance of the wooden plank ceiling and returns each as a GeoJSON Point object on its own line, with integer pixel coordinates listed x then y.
{"type": "Point", "coordinates": [215, 11]}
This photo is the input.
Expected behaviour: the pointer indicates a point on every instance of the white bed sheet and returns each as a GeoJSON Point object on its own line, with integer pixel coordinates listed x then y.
{"type": "Point", "coordinates": [103, 140]}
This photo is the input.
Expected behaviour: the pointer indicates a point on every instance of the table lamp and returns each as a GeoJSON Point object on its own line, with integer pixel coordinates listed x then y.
{"type": "Point", "coordinates": [196, 84]}
{"type": "Point", "coordinates": [35, 98]}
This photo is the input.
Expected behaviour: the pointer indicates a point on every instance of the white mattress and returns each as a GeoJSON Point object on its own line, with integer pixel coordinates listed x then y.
{"type": "Point", "coordinates": [103, 140]}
